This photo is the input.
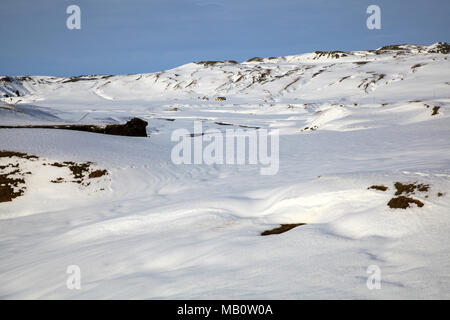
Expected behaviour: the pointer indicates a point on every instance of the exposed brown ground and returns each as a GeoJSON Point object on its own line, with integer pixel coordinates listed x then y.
{"type": "Point", "coordinates": [282, 228]}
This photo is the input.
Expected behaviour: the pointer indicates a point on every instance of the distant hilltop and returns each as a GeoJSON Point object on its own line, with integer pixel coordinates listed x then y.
{"type": "Point", "coordinates": [312, 76]}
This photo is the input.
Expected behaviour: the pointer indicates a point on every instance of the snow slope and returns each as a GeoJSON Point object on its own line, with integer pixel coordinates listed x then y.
{"type": "Point", "coordinates": [347, 121]}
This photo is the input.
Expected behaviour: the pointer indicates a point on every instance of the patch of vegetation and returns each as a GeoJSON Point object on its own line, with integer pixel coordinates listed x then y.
{"type": "Point", "coordinates": [24, 78]}
{"type": "Point", "coordinates": [367, 81]}
{"type": "Point", "coordinates": [261, 77]}
{"type": "Point", "coordinates": [165, 119]}
{"type": "Point", "coordinates": [192, 83]}
{"type": "Point", "coordinates": [79, 78]}
{"type": "Point", "coordinates": [9, 154]}
{"type": "Point", "coordinates": [12, 183]}
{"type": "Point", "coordinates": [239, 79]}
{"type": "Point", "coordinates": [209, 63]}
{"type": "Point", "coordinates": [255, 59]}
{"type": "Point", "coordinates": [313, 128]}
{"type": "Point", "coordinates": [221, 99]}
{"type": "Point", "coordinates": [12, 187]}
{"type": "Point", "coordinates": [291, 83]}
{"type": "Point", "coordinates": [392, 47]}
{"type": "Point", "coordinates": [435, 110]}
{"type": "Point", "coordinates": [235, 125]}
{"type": "Point", "coordinates": [281, 229]}
{"type": "Point", "coordinates": [378, 187]}
{"type": "Point", "coordinates": [403, 202]}
{"type": "Point", "coordinates": [97, 174]}
{"type": "Point", "coordinates": [213, 62]}
{"type": "Point", "coordinates": [410, 188]}
{"type": "Point", "coordinates": [9, 165]}
{"type": "Point", "coordinates": [317, 73]}
{"type": "Point", "coordinates": [418, 65]}
{"type": "Point", "coordinates": [249, 127]}
{"type": "Point", "coordinates": [223, 123]}
{"type": "Point", "coordinates": [193, 135]}
{"type": "Point", "coordinates": [442, 47]}
{"type": "Point", "coordinates": [6, 79]}
{"type": "Point", "coordinates": [57, 164]}
{"type": "Point", "coordinates": [330, 54]}
{"type": "Point", "coordinates": [80, 171]}
{"type": "Point", "coordinates": [440, 194]}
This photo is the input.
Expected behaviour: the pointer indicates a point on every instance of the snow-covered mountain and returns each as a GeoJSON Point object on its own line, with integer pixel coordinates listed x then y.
{"type": "Point", "coordinates": [153, 229]}
{"type": "Point", "coordinates": [317, 80]}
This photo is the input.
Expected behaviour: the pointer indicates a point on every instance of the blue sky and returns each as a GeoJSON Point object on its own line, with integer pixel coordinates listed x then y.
{"type": "Point", "coordinates": [136, 36]}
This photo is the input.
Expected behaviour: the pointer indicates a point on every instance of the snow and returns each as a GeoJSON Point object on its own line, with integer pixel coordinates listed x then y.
{"type": "Point", "coordinates": [163, 231]}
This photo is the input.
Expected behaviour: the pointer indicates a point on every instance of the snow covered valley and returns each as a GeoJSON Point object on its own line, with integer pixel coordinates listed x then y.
{"type": "Point", "coordinates": [140, 226]}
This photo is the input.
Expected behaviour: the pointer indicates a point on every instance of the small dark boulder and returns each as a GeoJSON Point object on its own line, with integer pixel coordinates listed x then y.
{"type": "Point", "coordinates": [134, 128]}
{"type": "Point", "coordinates": [435, 110]}
{"type": "Point", "coordinates": [403, 202]}
{"type": "Point", "coordinates": [17, 93]}
{"type": "Point", "coordinates": [378, 187]}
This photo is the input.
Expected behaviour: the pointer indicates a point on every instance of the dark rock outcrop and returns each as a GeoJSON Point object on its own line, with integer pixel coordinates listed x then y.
{"type": "Point", "coordinates": [441, 47]}
{"type": "Point", "coordinates": [134, 128]}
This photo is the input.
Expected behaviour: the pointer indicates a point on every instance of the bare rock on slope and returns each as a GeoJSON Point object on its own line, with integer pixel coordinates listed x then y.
{"type": "Point", "coordinates": [134, 128]}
